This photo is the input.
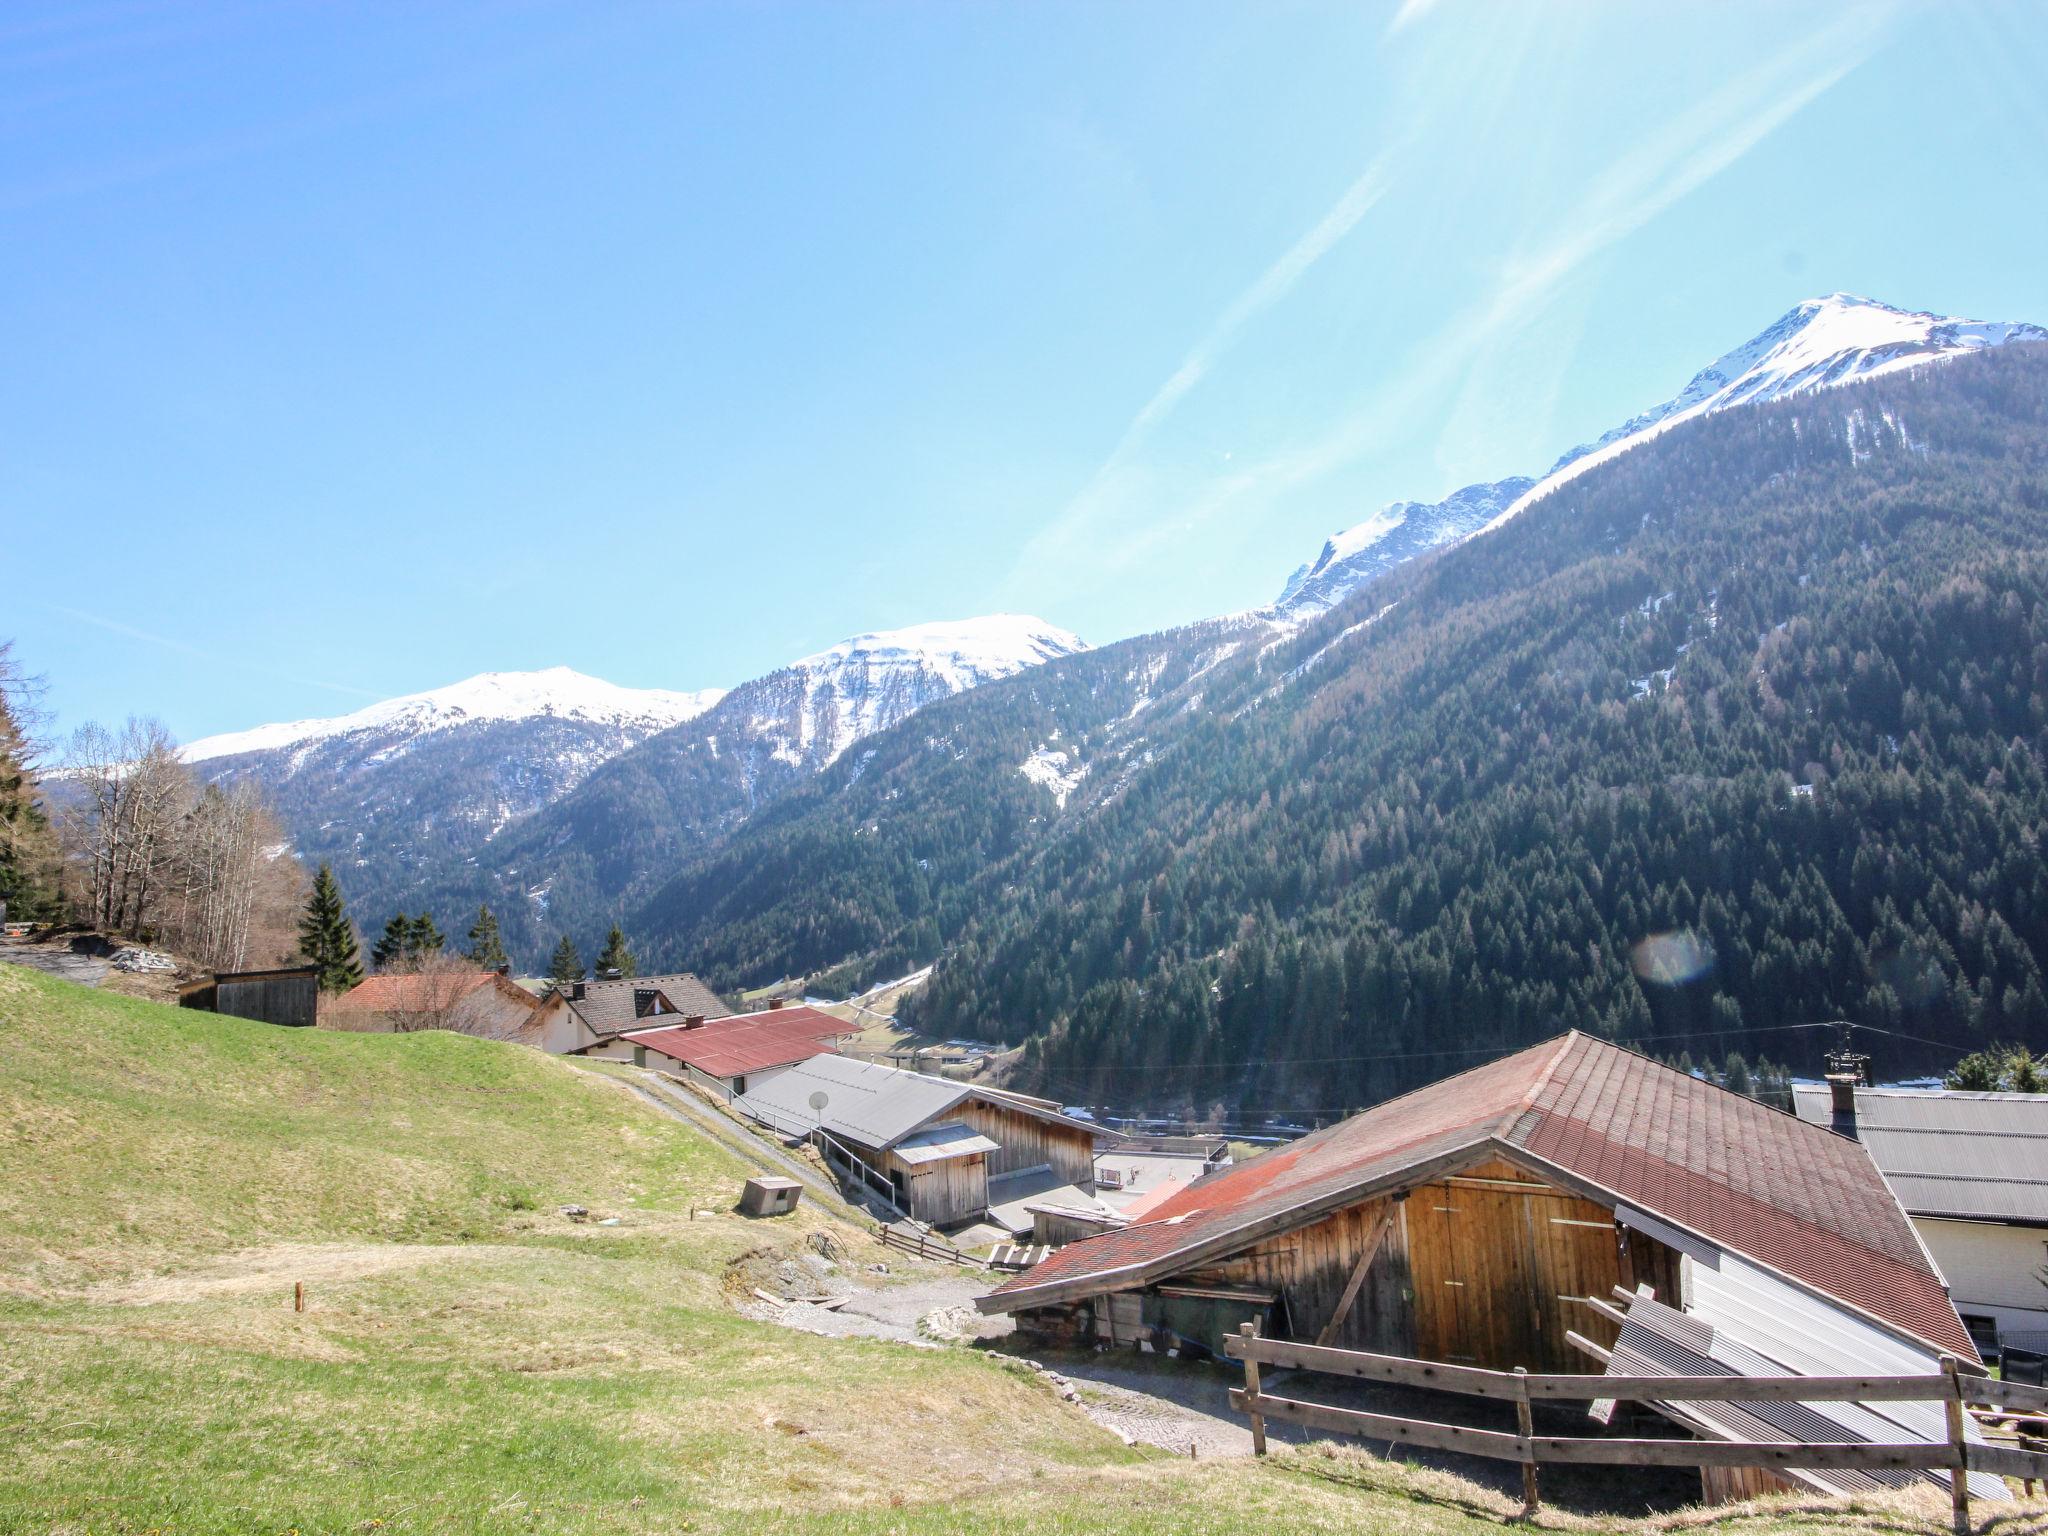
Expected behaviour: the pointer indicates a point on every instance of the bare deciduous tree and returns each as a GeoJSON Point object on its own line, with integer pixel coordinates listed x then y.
{"type": "Point", "coordinates": [153, 854]}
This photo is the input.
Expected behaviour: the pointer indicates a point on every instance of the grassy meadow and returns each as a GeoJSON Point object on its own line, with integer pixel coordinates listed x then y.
{"type": "Point", "coordinates": [471, 1361]}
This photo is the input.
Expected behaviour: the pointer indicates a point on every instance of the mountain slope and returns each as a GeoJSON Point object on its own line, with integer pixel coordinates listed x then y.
{"type": "Point", "coordinates": [1756, 713]}
{"type": "Point", "coordinates": [603, 848]}
{"type": "Point", "coordinates": [424, 780]}
{"type": "Point", "coordinates": [556, 796]}
{"type": "Point", "coordinates": [1818, 344]}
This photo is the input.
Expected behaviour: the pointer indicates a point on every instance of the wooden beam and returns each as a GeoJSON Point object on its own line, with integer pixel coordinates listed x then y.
{"type": "Point", "coordinates": [1959, 1448]}
{"type": "Point", "coordinates": [1475, 1382]}
{"type": "Point", "coordinates": [1599, 1452]}
{"type": "Point", "coordinates": [1357, 1280]}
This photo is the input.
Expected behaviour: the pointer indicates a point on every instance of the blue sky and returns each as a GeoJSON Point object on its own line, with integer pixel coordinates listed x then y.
{"type": "Point", "coordinates": [353, 350]}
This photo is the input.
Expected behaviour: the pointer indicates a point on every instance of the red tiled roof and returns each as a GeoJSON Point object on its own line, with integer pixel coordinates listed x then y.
{"type": "Point", "coordinates": [1790, 1195]}
{"type": "Point", "coordinates": [748, 1042]}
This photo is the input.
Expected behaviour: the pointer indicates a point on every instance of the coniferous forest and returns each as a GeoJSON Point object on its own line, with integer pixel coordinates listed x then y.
{"type": "Point", "coordinates": [1736, 736]}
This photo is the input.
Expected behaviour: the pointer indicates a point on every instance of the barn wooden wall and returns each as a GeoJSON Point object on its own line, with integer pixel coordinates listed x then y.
{"type": "Point", "coordinates": [1487, 1267]}
{"type": "Point", "coordinates": [945, 1191]}
{"type": "Point", "coordinates": [1025, 1141]}
{"type": "Point", "coordinates": [290, 1000]}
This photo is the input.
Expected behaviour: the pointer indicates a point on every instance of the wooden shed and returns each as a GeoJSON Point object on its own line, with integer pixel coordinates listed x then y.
{"type": "Point", "coordinates": [929, 1144]}
{"type": "Point", "coordinates": [1471, 1220]}
{"type": "Point", "coordinates": [290, 996]}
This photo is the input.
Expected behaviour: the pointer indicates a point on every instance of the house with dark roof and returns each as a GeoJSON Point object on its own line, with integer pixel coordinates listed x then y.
{"type": "Point", "coordinates": [584, 1014]}
{"type": "Point", "coordinates": [1476, 1220]}
{"type": "Point", "coordinates": [939, 1150]}
{"type": "Point", "coordinates": [727, 1055]}
{"type": "Point", "coordinates": [1971, 1170]}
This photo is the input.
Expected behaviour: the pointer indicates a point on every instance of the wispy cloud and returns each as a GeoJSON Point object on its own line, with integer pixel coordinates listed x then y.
{"type": "Point", "coordinates": [1675, 160]}
{"type": "Point", "coordinates": [1117, 477]}
{"type": "Point", "coordinates": [1410, 11]}
{"type": "Point", "coordinates": [186, 648]}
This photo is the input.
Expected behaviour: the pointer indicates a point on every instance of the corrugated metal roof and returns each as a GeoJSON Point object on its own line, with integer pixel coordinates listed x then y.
{"type": "Point", "coordinates": [865, 1101]}
{"type": "Point", "coordinates": [1747, 1177]}
{"type": "Point", "coordinates": [936, 1143]}
{"type": "Point", "coordinates": [746, 1042]}
{"type": "Point", "coordinates": [1974, 1156]}
{"type": "Point", "coordinates": [1741, 1320]}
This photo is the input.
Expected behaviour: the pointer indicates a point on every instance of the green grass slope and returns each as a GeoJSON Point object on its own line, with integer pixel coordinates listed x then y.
{"type": "Point", "coordinates": [469, 1361]}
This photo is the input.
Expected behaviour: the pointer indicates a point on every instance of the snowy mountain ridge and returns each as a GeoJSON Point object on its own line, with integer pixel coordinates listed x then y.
{"type": "Point", "coordinates": [555, 693]}
{"type": "Point", "coordinates": [1815, 345]}
{"type": "Point", "coordinates": [814, 709]}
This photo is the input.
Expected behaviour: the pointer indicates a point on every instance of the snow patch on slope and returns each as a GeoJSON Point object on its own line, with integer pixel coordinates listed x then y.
{"type": "Point", "coordinates": [1054, 769]}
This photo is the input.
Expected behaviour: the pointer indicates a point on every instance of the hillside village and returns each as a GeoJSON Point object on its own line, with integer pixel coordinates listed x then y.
{"type": "Point", "coordinates": [586, 949]}
{"type": "Point", "coordinates": [1571, 1212]}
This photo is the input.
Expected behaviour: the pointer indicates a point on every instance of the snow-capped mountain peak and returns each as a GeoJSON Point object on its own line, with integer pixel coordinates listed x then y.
{"type": "Point", "coordinates": [556, 692]}
{"type": "Point", "coordinates": [816, 708]}
{"type": "Point", "coordinates": [1815, 345]}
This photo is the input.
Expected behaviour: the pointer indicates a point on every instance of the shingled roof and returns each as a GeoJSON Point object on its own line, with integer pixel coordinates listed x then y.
{"type": "Point", "coordinates": [1758, 1182]}
{"type": "Point", "coordinates": [612, 1007]}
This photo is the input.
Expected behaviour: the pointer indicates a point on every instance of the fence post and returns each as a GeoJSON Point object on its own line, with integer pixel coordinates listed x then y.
{"type": "Point", "coordinates": [1959, 1478]}
{"type": "Point", "coordinates": [1249, 1332]}
{"type": "Point", "coordinates": [1525, 1426]}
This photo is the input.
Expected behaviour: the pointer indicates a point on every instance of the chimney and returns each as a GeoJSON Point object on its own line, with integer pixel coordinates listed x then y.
{"type": "Point", "coordinates": [693, 1021]}
{"type": "Point", "coordinates": [1843, 1086]}
{"type": "Point", "coordinates": [575, 991]}
{"type": "Point", "coordinates": [774, 1003]}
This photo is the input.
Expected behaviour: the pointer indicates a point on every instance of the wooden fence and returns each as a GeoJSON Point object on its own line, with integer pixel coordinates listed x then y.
{"type": "Point", "coordinates": [1955, 1454]}
{"type": "Point", "coordinates": [925, 1245]}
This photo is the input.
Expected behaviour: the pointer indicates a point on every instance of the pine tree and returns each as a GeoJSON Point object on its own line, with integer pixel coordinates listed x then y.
{"type": "Point", "coordinates": [422, 938]}
{"type": "Point", "coordinates": [567, 966]}
{"type": "Point", "coordinates": [486, 947]}
{"type": "Point", "coordinates": [327, 938]}
{"type": "Point", "coordinates": [394, 944]}
{"type": "Point", "coordinates": [617, 956]}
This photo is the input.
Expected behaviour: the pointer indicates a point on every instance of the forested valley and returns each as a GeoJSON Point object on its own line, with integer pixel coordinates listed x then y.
{"type": "Point", "coordinates": [1736, 736]}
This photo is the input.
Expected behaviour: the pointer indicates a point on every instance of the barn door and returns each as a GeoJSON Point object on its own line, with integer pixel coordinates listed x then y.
{"type": "Point", "coordinates": [1500, 1260]}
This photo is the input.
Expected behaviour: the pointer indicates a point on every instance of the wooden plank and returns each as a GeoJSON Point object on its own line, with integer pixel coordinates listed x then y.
{"type": "Point", "coordinates": [2005, 1394]}
{"type": "Point", "coordinates": [1247, 1398]}
{"type": "Point", "coordinates": [1357, 1281]}
{"type": "Point", "coordinates": [1377, 1426]}
{"type": "Point", "coordinates": [2003, 1460]}
{"type": "Point", "coordinates": [1627, 1453]}
{"type": "Point", "coordinates": [1740, 1453]}
{"type": "Point", "coordinates": [1467, 1379]}
{"type": "Point", "coordinates": [1475, 1382]}
{"type": "Point", "coordinates": [1959, 1449]}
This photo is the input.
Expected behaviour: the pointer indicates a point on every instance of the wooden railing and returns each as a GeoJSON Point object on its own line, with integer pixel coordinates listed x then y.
{"type": "Point", "coordinates": [1954, 1454]}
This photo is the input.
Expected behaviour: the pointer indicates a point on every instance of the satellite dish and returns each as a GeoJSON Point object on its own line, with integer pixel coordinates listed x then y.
{"type": "Point", "coordinates": [818, 1102]}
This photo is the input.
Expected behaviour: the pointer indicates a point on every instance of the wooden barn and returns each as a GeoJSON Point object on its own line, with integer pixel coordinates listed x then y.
{"type": "Point", "coordinates": [928, 1144]}
{"type": "Point", "coordinates": [1480, 1219]}
{"type": "Point", "coordinates": [288, 996]}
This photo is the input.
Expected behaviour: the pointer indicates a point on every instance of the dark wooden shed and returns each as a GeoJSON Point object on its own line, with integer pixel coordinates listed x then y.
{"type": "Point", "coordinates": [290, 996]}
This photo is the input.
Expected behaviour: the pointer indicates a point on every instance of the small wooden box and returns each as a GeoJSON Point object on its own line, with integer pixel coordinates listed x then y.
{"type": "Point", "coordinates": [767, 1195]}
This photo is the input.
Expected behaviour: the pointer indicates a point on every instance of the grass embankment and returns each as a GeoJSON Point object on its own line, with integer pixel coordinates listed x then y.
{"type": "Point", "coordinates": [469, 1360]}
